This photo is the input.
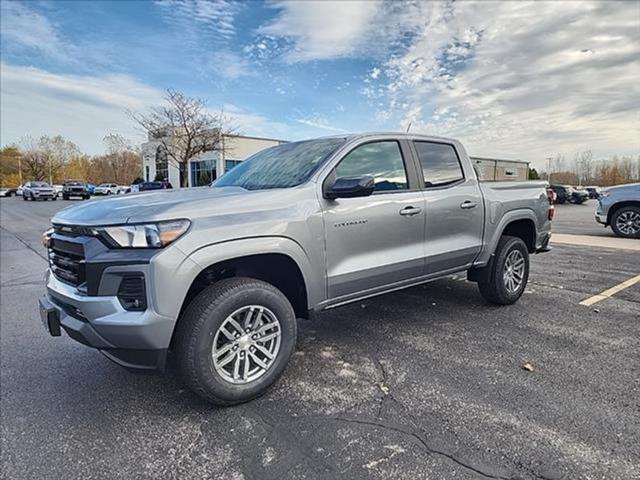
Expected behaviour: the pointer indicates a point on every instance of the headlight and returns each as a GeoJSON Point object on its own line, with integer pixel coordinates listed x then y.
{"type": "Point", "coordinates": [604, 193]}
{"type": "Point", "coordinates": [148, 235]}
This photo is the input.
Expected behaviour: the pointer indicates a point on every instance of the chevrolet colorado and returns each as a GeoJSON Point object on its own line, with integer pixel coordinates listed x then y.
{"type": "Point", "coordinates": [217, 277]}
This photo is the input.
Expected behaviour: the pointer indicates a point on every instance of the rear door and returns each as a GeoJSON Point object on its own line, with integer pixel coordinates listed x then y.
{"type": "Point", "coordinates": [454, 207]}
{"type": "Point", "coordinates": [373, 242]}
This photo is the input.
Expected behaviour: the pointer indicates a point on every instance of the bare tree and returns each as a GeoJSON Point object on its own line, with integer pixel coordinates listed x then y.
{"type": "Point", "coordinates": [184, 128]}
{"type": "Point", "coordinates": [122, 162]}
{"type": "Point", "coordinates": [35, 161]}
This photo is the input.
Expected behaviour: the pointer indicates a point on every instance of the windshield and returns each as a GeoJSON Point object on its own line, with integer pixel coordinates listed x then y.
{"type": "Point", "coordinates": [282, 166]}
{"type": "Point", "coordinates": [104, 185]}
{"type": "Point", "coordinates": [40, 184]}
{"type": "Point", "coordinates": [74, 183]}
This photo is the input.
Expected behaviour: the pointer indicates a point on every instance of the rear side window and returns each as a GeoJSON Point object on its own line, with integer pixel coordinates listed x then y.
{"type": "Point", "coordinates": [440, 164]}
{"type": "Point", "coordinates": [382, 160]}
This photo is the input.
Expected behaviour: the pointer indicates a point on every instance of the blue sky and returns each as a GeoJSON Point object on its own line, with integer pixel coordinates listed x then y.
{"type": "Point", "coordinates": [510, 79]}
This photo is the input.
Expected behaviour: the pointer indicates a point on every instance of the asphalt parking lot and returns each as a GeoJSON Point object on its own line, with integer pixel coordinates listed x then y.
{"type": "Point", "coordinates": [425, 383]}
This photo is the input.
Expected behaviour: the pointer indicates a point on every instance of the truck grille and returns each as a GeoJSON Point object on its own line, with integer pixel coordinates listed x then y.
{"type": "Point", "coordinates": [66, 260]}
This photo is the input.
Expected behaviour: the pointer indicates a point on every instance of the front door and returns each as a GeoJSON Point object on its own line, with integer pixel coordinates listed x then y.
{"type": "Point", "coordinates": [375, 241]}
{"type": "Point", "coordinates": [454, 208]}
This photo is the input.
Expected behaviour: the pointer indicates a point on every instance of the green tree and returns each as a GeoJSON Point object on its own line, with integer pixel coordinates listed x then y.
{"type": "Point", "coordinates": [533, 174]}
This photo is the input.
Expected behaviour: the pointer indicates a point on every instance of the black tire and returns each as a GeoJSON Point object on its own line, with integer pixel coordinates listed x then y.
{"type": "Point", "coordinates": [65, 197]}
{"type": "Point", "coordinates": [631, 211]}
{"type": "Point", "coordinates": [54, 198]}
{"type": "Point", "coordinates": [24, 197]}
{"type": "Point", "coordinates": [495, 289]}
{"type": "Point", "coordinates": [195, 333]}
{"type": "Point", "coordinates": [86, 197]}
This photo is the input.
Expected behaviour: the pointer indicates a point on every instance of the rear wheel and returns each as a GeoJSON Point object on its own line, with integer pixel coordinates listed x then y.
{"type": "Point", "coordinates": [625, 222]}
{"type": "Point", "coordinates": [234, 340]}
{"type": "Point", "coordinates": [508, 272]}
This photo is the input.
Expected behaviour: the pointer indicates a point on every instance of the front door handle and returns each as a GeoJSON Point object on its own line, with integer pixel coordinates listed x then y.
{"type": "Point", "coordinates": [467, 204]}
{"type": "Point", "coordinates": [410, 211]}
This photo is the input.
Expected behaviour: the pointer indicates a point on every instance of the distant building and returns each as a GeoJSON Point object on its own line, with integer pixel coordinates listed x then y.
{"type": "Point", "coordinates": [204, 168]}
{"type": "Point", "coordinates": [497, 170]}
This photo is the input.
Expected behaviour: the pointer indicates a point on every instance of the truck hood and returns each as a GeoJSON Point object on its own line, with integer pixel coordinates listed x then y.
{"type": "Point", "coordinates": [155, 206]}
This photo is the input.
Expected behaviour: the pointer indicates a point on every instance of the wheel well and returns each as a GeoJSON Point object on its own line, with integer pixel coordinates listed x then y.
{"type": "Point", "coordinates": [617, 206]}
{"type": "Point", "coordinates": [277, 269]}
{"type": "Point", "coordinates": [524, 229]}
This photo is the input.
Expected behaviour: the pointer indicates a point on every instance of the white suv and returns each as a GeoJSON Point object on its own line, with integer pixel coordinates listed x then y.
{"type": "Point", "coordinates": [106, 189]}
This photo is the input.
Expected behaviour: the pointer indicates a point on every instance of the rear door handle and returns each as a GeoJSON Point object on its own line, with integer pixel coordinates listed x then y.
{"type": "Point", "coordinates": [467, 204]}
{"type": "Point", "coordinates": [410, 211]}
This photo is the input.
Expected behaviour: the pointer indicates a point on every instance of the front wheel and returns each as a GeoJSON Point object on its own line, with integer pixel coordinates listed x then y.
{"type": "Point", "coordinates": [235, 339]}
{"type": "Point", "coordinates": [625, 222]}
{"type": "Point", "coordinates": [508, 272]}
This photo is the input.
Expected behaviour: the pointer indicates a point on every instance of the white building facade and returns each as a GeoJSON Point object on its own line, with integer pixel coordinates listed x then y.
{"type": "Point", "coordinates": [204, 168]}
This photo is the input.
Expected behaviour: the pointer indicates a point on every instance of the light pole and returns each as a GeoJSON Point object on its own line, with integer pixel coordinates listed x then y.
{"type": "Point", "coordinates": [549, 169]}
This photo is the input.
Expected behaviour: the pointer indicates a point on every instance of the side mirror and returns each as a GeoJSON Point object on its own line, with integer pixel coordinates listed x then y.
{"type": "Point", "coordinates": [350, 187]}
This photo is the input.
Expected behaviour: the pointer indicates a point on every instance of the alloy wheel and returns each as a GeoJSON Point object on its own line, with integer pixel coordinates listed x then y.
{"type": "Point", "coordinates": [246, 345]}
{"type": "Point", "coordinates": [513, 273]}
{"type": "Point", "coordinates": [628, 222]}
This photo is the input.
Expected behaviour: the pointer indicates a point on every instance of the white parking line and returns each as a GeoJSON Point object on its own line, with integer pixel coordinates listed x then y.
{"type": "Point", "coordinates": [611, 291]}
{"type": "Point", "coordinates": [594, 241]}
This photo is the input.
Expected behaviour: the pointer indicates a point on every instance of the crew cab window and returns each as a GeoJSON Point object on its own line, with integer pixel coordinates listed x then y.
{"type": "Point", "coordinates": [440, 164]}
{"type": "Point", "coordinates": [382, 160]}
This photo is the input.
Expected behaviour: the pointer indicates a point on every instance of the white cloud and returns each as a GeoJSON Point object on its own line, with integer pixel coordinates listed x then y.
{"type": "Point", "coordinates": [322, 30]}
{"type": "Point", "coordinates": [81, 108]}
{"type": "Point", "coordinates": [320, 123]}
{"type": "Point", "coordinates": [520, 80]}
{"type": "Point", "coordinates": [209, 18]}
{"type": "Point", "coordinates": [85, 108]}
{"type": "Point", "coordinates": [251, 123]}
{"type": "Point", "coordinates": [27, 28]}
{"type": "Point", "coordinates": [513, 79]}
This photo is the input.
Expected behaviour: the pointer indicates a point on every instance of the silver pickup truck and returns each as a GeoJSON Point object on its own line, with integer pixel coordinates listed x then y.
{"type": "Point", "coordinates": [217, 276]}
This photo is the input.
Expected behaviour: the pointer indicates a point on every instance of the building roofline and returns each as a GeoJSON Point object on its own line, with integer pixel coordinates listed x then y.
{"type": "Point", "coordinates": [253, 137]}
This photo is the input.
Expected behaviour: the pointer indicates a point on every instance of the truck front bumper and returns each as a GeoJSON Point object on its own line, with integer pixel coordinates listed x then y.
{"type": "Point", "coordinates": [137, 341]}
{"type": "Point", "coordinates": [601, 217]}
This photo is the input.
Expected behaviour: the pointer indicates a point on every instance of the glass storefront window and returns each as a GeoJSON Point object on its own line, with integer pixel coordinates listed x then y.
{"type": "Point", "coordinates": [203, 172]}
{"type": "Point", "coordinates": [229, 164]}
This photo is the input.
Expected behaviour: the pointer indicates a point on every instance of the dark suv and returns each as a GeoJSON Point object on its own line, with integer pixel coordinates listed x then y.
{"type": "Point", "coordinates": [566, 193]}
{"type": "Point", "coordinates": [75, 188]}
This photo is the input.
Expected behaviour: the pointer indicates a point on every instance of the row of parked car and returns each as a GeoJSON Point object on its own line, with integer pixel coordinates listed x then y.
{"type": "Point", "coordinates": [576, 195]}
{"type": "Point", "coordinates": [37, 190]}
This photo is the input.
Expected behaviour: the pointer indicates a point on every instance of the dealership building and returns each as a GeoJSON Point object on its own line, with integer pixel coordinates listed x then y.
{"type": "Point", "coordinates": [203, 168]}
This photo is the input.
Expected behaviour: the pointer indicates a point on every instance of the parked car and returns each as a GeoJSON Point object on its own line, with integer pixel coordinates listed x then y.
{"type": "Point", "coordinates": [146, 186]}
{"type": "Point", "coordinates": [619, 208]}
{"type": "Point", "coordinates": [58, 189]}
{"type": "Point", "coordinates": [8, 192]}
{"type": "Point", "coordinates": [38, 191]}
{"type": "Point", "coordinates": [106, 189]}
{"type": "Point", "coordinates": [91, 188]}
{"type": "Point", "coordinates": [19, 190]}
{"type": "Point", "coordinates": [219, 275]}
{"type": "Point", "coordinates": [75, 188]}
{"type": "Point", "coordinates": [594, 192]}
{"type": "Point", "coordinates": [566, 193]}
